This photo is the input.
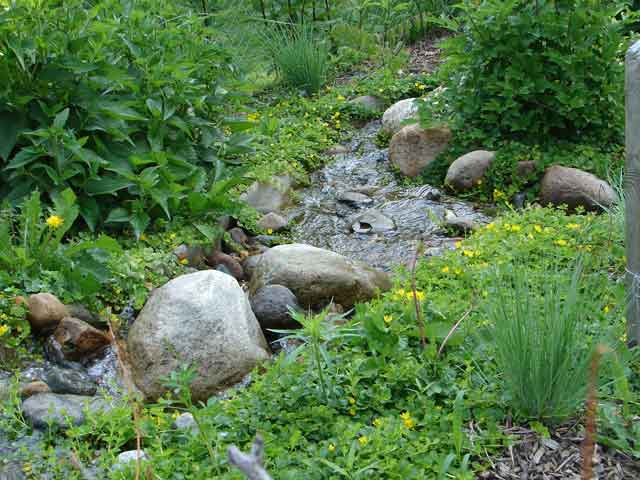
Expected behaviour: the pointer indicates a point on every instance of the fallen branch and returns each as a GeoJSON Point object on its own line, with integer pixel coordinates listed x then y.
{"type": "Point", "coordinates": [251, 464]}
{"type": "Point", "coordinates": [453, 329]}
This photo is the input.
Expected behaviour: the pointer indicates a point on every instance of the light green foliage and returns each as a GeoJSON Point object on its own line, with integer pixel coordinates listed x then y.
{"type": "Point", "coordinates": [538, 326]}
{"type": "Point", "coordinates": [299, 55]}
{"type": "Point", "coordinates": [122, 102]}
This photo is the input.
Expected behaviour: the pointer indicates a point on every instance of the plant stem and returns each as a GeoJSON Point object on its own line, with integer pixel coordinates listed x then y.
{"type": "Point", "coordinates": [316, 354]}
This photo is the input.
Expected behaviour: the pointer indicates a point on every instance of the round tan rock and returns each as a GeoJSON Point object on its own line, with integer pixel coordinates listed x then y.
{"type": "Point", "coordinates": [575, 188]}
{"type": "Point", "coordinates": [413, 147]}
{"type": "Point", "coordinates": [45, 311]}
{"type": "Point", "coordinates": [467, 171]}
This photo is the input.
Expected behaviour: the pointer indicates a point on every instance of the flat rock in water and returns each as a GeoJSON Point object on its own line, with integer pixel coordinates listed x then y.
{"type": "Point", "coordinates": [71, 381]}
{"type": "Point", "coordinates": [318, 277]}
{"type": "Point", "coordinates": [354, 199]}
{"type": "Point", "coordinates": [372, 221]}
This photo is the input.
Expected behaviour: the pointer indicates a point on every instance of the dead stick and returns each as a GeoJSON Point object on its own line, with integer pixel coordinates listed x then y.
{"type": "Point", "coordinates": [419, 250]}
{"type": "Point", "coordinates": [251, 464]}
{"type": "Point", "coordinates": [453, 329]}
{"type": "Point", "coordinates": [590, 421]}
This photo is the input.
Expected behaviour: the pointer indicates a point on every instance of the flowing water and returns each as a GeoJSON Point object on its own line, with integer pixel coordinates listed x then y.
{"type": "Point", "coordinates": [356, 206]}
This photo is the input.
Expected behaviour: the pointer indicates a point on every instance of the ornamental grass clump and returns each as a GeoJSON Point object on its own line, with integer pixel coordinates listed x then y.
{"type": "Point", "coordinates": [541, 344]}
{"type": "Point", "coordinates": [300, 59]}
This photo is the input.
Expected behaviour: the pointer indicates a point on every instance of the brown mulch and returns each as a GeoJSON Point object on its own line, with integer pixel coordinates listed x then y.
{"type": "Point", "coordinates": [558, 457]}
{"type": "Point", "coordinates": [426, 55]}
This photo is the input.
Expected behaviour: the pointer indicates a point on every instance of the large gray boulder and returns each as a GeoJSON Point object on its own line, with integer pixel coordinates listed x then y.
{"type": "Point", "coordinates": [57, 410]}
{"type": "Point", "coordinates": [575, 188]}
{"type": "Point", "coordinates": [271, 305]}
{"type": "Point", "coordinates": [414, 147]}
{"type": "Point", "coordinates": [399, 113]}
{"type": "Point", "coordinates": [468, 170]}
{"type": "Point", "coordinates": [270, 196]}
{"type": "Point", "coordinates": [201, 319]}
{"type": "Point", "coordinates": [318, 276]}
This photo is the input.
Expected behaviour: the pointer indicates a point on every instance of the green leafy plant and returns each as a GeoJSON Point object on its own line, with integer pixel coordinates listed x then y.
{"type": "Point", "coordinates": [532, 69]}
{"type": "Point", "coordinates": [540, 341]}
{"type": "Point", "coordinates": [31, 248]}
{"type": "Point", "coordinates": [299, 57]}
{"type": "Point", "coordinates": [92, 104]}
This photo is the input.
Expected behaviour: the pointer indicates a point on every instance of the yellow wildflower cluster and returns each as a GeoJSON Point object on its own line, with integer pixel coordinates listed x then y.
{"type": "Point", "coordinates": [402, 294]}
{"type": "Point", "coordinates": [407, 420]}
{"type": "Point", "coordinates": [363, 440]}
{"type": "Point", "coordinates": [498, 195]}
{"type": "Point", "coordinates": [4, 329]}
{"type": "Point", "coordinates": [252, 117]}
{"type": "Point", "coordinates": [54, 222]}
{"type": "Point", "coordinates": [387, 319]}
{"type": "Point", "coordinates": [420, 86]}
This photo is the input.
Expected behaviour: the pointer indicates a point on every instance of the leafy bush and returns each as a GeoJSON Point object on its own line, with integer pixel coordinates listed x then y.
{"type": "Point", "coordinates": [532, 69]}
{"type": "Point", "coordinates": [541, 343]}
{"type": "Point", "coordinates": [299, 57]}
{"type": "Point", "coordinates": [120, 101]}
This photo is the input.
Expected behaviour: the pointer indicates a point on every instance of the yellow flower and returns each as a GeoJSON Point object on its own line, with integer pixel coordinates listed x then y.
{"type": "Point", "coordinates": [490, 226]}
{"type": "Point", "coordinates": [497, 194]}
{"type": "Point", "coordinates": [420, 296]}
{"type": "Point", "coordinates": [537, 228]}
{"type": "Point", "coordinates": [407, 420]}
{"type": "Point", "coordinates": [457, 271]}
{"type": "Point", "coordinates": [54, 221]}
{"type": "Point", "coordinates": [605, 310]}
{"type": "Point", "coordinates": [252, 117]}
{"type": "Point", "coordinates": [377, 422]}
{"type": "Point", "coordinates": [143, 237]}
{"type": "Point", "coordinates": [479, 182]}
{"type": "Point", "coordinates": [341, 98]}
{"type": "Point", "coordinates": [573, 226]}
{"type": "Point", "coordinates": [184, 261]}
{"type": "Point", "coordinates": [172, 236]}
{"type": "Point", "coordinates": [457, 244]}
{"type": "Point", "coordinates": [516, 228]}
{"type": "Point", "coordinates": [352, 401]}
{"type": "Point", "coordinates": [352, 412]}
{"type": "Point", "coordinates": [561, 242]}
{"type": "Point", "coordinates": [3, 329]}
{"type": "Point", "coordinates": [331, 447]}
{"type": "Point", "coordinates": [445, 269]}
{"type": "Point", "coordinates": [387, 319]}
{"type": "Point", "coordinates": [469, 253]}
{"type": "Point", "coordinates": [269, 231]}
{"type": "Point", "coordinates": [363, 440]}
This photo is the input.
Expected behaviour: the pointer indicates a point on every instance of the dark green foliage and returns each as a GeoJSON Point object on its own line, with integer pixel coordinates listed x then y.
{"type": "Point", "coordinates": [120, 101]}
{"type": "Point", "coordinates": [537, 69]}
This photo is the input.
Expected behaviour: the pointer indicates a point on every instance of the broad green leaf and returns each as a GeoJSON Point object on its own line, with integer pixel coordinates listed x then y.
{"type": "Point", "coordinates": [107, 185]}
{"type": "Point", "coordinates": [139, 221]}
{"type": "Point", "coordinates": [11, 125]}
{"type": "Point", "coordinates": [118, 215]}
{"type": "Point", "coordinates": [90, 212]}
{"type": "Point", "coordinates": [24, 157]}
{"type": "Point", "coordinates": [61, 118]}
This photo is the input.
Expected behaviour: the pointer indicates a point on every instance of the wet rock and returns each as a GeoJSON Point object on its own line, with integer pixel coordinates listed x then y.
{"type": "Point", "coordinates": [192, 254]}
{"type": "Point", "coordinates": [57, 410]}
{"type": "Point", "coordinates": [337, 150]}
{"type": "Point", "coordinates": [467, 171]}
{"type": "Point", "coordinates": [71, 381]}
{"type": "Point", "coordinates": [459, 225]}
{"type": "Point", "coordinates": [372, 221]}
{"type": "Point", "coordinates": [225, 222]}
{"type": "Point", "coordinates": [268, 240]}
{"type": "Point", "coordinates": [186, 422]}
{"type": "Point", "coordinates": [271, 305]}
{"type": "Point", "coordinates": [271, 196]}
{"type": "Point", "coordinates": [81, 312]}
{"type": "Point", "coordinates": [45, 312]}
{"type": "Point", "coordinates": [575, 188]}
{"type": "Point", "coordinates": [202, 319]}
{"type": "Point", "coordinates": [400, 112]}
{"type": "Point", "coordinates": [354, 199]}
{"type": "Point", "coordinates": [369, 103]}
{"type": "Point", "coordinates": [318, 276]}
{"type": "Point", "coordinates": [78, 339]}
{"type": "Point", "coordinates": [129, 457]}
{"type": "Point", "coordinates": [518, 200]}
{"type": "Point", "coordinates": [272, 221]}
{"type": "Point", "coordinates": [249, 265]}
{"type": "Point", "coordinates": [239, 236]}
{"type": "Point", "coordinates": [33, 388]}
{"type": "Point", "coordinates": [231, 265]}
{"type": "Point", "coordinates": [413, 148]}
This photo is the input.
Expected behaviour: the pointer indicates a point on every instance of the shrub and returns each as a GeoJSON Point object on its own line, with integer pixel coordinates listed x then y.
{"type": "Point", "coordinates": [541, 341]}
{"type": "Point", "coordinates": [120, 101]}
{"type": "Point", "coordinates": [533, 69]}
{"type": "Point", "coordinates": [299, 57]}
